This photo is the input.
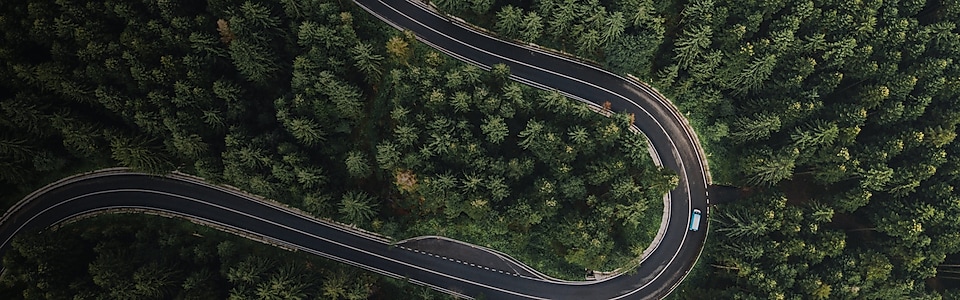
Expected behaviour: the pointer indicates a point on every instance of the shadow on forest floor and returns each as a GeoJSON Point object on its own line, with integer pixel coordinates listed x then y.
{"type": "Point", "coordinates": [720, 194]}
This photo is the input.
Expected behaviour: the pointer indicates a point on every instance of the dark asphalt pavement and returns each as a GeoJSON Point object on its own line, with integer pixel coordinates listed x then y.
{"type": "Point", "coordinates": [660, 272]}
{"type": "Point", "coordinates": [664, 127]}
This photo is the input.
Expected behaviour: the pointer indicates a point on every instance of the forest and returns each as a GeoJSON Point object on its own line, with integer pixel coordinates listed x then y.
{"type": "Point", "coordinates": [837, 120]}
{"type": "Point", "coordinates": [148, 257]}
{"type": "Point", "coordinates": [314, 104]}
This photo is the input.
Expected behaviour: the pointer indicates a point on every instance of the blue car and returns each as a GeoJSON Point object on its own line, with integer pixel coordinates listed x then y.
{"type": "Point", "coordinates": [695, 220]}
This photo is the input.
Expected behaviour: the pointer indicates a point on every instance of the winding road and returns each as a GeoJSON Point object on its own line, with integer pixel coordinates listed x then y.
{"type": "Point", "coordinates": [674, 145]}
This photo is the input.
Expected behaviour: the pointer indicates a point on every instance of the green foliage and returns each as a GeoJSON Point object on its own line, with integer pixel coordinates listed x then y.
{"type": "Point", "coordinates": [756, 127]}
{"type": "Point", "coordinates": [770, 168]}
{"type": "Point", "coordinates": [141, 257]}
{"type": "Point", "coordinates": [252, 26]}
{"type": "Point", "coordinates": [464, 155]}
{"type": "Point", "coordinates": [357, 164]}
{"type": "Point", "coordinates": [366, 61]}
{"type": "Point", "coordinates": [137, 154]}
{"type": "Point", "coordinates": [317, 105]}
{"type": "Point", "coordinates": [833, 110]}
{"type": "Point", "coordinates": [509, 21]}
{"type": "Point", "coordinates": [623, 34]}
{"type": "Point", "coordinates": [357, 207]}
{"type": "Point", "coordinates": [495, 129]}
{"type": "Point", "coordinates": [690, 45]}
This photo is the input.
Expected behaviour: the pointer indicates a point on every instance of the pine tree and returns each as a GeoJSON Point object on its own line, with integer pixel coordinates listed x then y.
{"type": "Point", "coordinates": [509, 21]}
{"type": "Point", "coordinates": [757, 127]}
{"type": "Point", "coordinates": [357, 165]}
{"type": "Point", "coordinates": [306, 131]}
{"type": "Point", "coordinates": [768, 168]}
{"type": "Point", "coordinates": [614, 26]}
{"type": "Point", "coordinates": [357, 207]}
{"type": "Point", "coordinates": [691, 45]}
{"type": "Point", "coordinates": [531, 27]}
{"type": "Point", "coordinates": [367, 61]}
{"type": "Point", "coordinates": [495, 129]}
{"type": "Point", "coordinates": [753, 76]}
{"type": "Point", "coordinates": [139, 155]}
{"type": "Point", "coordinates": [388, 156]}
{"type": "Point", "coordinates": [399, 50]}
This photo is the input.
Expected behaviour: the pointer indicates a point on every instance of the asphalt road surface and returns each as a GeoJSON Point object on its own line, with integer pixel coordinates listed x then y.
{"type": "Point", "coordinates": [660, 272]}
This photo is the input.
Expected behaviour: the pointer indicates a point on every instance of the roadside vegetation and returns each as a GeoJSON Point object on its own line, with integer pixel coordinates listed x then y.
{"type": "Point", "coordinates": [149, 257]}
{"type": "Point", "coordinates": [536, 175]}
{"type": "Point", "coordinates": [837, 119]}
{"type": "Point", "coordinates": [317, 105]}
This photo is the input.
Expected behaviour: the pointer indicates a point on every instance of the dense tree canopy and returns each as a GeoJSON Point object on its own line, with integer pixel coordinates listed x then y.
{"type": "Point", "coordinates": [838, 119]}
{"type": "Point", "coordinates": [841, 120]}
{"type": "Point", "coordinates": [622, 34]}
{"type": "Point", "coordinates": [318, 105]}
{"type": "Point", "coordinates": [148, 257]}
